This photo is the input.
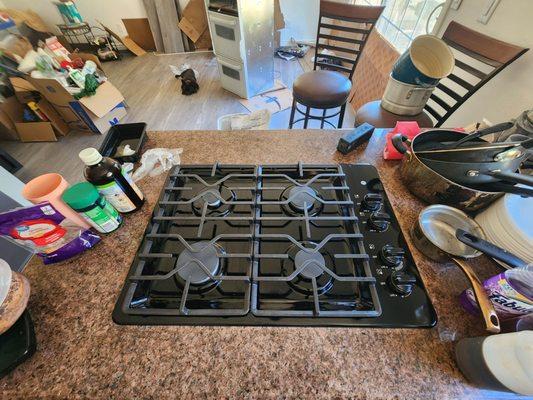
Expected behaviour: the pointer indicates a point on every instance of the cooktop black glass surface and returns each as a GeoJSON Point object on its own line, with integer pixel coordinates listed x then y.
{"type": "Point", "coordinates": [306, 245]}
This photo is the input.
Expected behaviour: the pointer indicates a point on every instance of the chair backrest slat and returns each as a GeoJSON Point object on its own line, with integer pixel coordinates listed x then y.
{"type": "Point", "coordinates": [349, 12]}
{"type": "Point", "coordinates": [339, 24]}
{"type": "Point", "coordinates": [494, 54]}
{"type": "Point", "coordinates": [480, 45]}
{"type": "Point", "coordinates": [338, 58]}
{"type": "Point", "coordinates": [335, 67]}
{"type": "Point", "coordinates": [345, 28]}
{"type": "Point", "coordinates": [432, 111]}
{"type": "Point", "coordinates": [440, 102]}
{"type": "Point", "coordinates": [461, 82]}
{"type": "Point", "coordinates": [470, 70]}
{"type": "Point", "coordinates": [340, 38]}
{"type": "Point", "coordinates": [337, 48]}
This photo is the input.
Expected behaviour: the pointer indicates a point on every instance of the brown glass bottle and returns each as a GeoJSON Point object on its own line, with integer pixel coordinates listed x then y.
{"type": "Point", "coordinates": [111, 181]}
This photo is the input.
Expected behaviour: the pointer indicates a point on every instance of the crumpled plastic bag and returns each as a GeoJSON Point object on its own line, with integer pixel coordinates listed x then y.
{"type": "Point", "coordinates": [157, 161]}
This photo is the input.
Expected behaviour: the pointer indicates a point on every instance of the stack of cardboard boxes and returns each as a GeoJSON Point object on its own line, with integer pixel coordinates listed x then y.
{"type": "Point", "coordinates": [61, 113]}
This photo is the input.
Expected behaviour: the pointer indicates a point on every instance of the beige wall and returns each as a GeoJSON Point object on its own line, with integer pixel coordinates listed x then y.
{"type": "Point", "coordinates": [511, 91]}
{"type": "Point", "coordinates": [109, 12]}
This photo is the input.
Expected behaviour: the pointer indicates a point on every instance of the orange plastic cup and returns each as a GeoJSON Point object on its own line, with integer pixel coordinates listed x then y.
{"type": "Point", "coordinates": [50, 187]}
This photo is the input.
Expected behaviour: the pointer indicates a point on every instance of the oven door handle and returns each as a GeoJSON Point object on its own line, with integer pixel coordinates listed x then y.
{"type": "Point", "coordinates": [222, 21]}
{"type": "Point", "coordinates": [230, 65]}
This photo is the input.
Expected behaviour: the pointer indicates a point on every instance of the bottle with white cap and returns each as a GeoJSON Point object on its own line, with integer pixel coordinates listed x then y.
{"type": "Point", "coordinates": [111, 181]}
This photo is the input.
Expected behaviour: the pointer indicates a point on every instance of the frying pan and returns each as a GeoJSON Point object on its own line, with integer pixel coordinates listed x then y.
{"type": "Point", "coordinates": [480, 152]}
{"type": "Point", "coordinates": [490, 249]}
{"type": "Point", "coordinates": [434, 235]}
{"type": "Point", "coordinates": [468, 173]}
{"type": "Point", "coordinates": [446, 140]}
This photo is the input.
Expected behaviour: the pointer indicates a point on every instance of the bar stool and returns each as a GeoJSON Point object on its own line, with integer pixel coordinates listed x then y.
{"type": "Point", "coordinates": [328, 86]}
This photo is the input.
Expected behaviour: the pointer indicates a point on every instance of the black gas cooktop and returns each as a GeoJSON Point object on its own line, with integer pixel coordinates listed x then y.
{"type": "Point", "coordinates": [305, 245]}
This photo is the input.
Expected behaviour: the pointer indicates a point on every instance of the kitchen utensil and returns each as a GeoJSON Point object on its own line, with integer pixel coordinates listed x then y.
{"type": "Point", "coordinates": [483, 132]}
{"type": "Point", "coordinates": [434, 236]}
{"type": "Point", "coordinates": [468, 173]}
{"type": "Point", "coordinates": [50, 187]}
{"type": "Point", "coordinates": [15, 302]}
{"type": "Point", "coordinates": [5, 280]}
{"type": "Point", "coordinates": [490, 249]}
{"type": "Point", "coordinates": [499, 362]}
{"type": "Point", "coordinates": [17, 344]}
{"type": "Point", "coordinates": [432, 187]}
{"type": "Point", "coordinates": [479, 152]}
{"type": "Point", "coordinates": [509, 224]}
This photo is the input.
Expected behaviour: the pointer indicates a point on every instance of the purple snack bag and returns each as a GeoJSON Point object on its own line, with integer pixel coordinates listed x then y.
{"type": "Point", "coordinates": [511, 294]}
{"type": "Point", "coordinates": [46, 232]}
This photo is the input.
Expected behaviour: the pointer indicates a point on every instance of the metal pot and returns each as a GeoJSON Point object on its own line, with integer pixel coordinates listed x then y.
{"type": "Point", "coordinates": [434, 235]}
{"type": "Point", "coordinates": [432, 187]}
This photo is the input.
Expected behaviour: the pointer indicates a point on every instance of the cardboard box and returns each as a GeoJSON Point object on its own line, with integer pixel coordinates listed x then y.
{"type": "Point", "coordinates": [8, 130]}
{"type": "Point", "coordinates": [194, 19]}
{"type": "Point", "coordinates": [24, 90]}
{"type": "Point", "coordinates": [95, 113]}
{"type": "Point", "coordinates": [44, 131]}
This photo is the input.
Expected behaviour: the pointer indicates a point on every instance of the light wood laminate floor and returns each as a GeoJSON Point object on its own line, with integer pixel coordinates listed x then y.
{"type": "Point", "coordinates": [154, 96]}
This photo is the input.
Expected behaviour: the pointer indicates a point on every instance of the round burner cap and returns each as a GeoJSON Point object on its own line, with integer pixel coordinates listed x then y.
{"type": "Point", "coordinates": [204, 252]}
{"type": "Point", "coordinates": [301, 197]}
{"type": "Point", "coordinates": [313, 268]}
{"type": "Point", "coordinates": [212, 198]}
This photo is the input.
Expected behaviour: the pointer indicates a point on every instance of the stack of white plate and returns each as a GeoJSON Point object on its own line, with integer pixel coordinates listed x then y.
{"type": "Point", "coordinates": [508, 223]}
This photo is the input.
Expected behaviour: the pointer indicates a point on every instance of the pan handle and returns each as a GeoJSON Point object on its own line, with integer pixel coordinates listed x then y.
{"type": "Point", "coordinates": [513, 177]}
{"type": "Point", "coordinates": [492, 322]}
{"type": "Point", "coordinates": [486, 131]}
{"type": "Point", "coordinates": [399, 142]}
{"type": "Point", "coordinates": [489, 249]}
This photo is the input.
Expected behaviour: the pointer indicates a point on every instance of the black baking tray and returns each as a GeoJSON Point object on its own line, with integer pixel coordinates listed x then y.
{"type": "Point", "coordinates": [121, 135]}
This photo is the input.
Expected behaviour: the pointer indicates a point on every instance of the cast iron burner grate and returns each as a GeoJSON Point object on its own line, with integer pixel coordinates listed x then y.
{"type": "Point", "coordinates": [268, 245]}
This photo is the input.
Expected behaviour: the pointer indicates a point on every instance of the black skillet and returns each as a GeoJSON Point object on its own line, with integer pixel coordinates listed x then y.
{"type": "Point", "coordinates": [467, 173]}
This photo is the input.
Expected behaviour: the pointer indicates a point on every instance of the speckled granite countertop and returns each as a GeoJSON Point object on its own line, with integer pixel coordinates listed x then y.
{"type": "Point", "coordinates": [83, 354]}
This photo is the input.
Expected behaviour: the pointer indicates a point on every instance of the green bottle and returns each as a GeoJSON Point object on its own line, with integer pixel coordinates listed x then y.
{"type": "Point", "coordinates": [95, 209]}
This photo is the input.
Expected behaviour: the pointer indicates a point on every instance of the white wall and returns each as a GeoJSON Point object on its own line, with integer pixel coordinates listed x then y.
{"type": "Point", "coordinates": [109, 12]}
{"type": "Point", "coordinates": [511, 91]}
{"type": "Point", "coordinates": [301, 20]}
{"type": "Point", "coordinates": [301, 16]}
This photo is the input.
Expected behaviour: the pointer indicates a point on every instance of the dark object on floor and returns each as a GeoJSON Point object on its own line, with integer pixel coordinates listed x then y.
{"type": "Point", "coordinates": [457, 88]}
{"type": "Point", "coordinates": [189, 85]}
{"type": "Point", "coordinates": [289, 52]}
{"type": "Point", "coordinates": [107, 49]}
{"type": "Point", "coordinates": [329, 90]}
{"type": "Point", "coordinates": [122, 135]}
{"type": "Point", "coordinates": [17, 344]}
{"type": "Point", "coordinates": [351, 140]}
